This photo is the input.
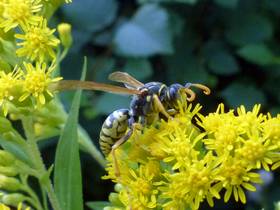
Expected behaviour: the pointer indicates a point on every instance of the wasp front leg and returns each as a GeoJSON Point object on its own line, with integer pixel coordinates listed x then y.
{"type": "Point", "coordinates": [160, 108]}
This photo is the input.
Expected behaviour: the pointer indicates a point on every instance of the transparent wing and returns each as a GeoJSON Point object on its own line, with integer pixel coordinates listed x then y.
{"type": "Point", "coordinates": [88, 85]}
{"type": "Point", "coordinates": [123, 77]}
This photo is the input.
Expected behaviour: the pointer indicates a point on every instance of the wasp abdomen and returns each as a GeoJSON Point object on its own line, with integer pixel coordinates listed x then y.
{"type": "Point", "coordinates": [113, 129]}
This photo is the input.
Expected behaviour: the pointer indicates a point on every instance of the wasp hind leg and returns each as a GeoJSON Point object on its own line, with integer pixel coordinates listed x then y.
{"type": "Point", "coordinates": [116, 146]}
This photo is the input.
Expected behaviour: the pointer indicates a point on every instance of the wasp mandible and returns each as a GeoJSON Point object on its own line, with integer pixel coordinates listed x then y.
{"type": "Point", "coordinates": [149, 101]}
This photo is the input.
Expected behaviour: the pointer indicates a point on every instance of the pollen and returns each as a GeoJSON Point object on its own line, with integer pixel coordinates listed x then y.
{"type": "Point", "coordinates": [20, 12]}
{"type": "Point", "coordinates": [38, 43]}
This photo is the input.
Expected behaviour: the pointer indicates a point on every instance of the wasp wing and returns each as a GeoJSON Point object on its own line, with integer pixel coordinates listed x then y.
{"type": "Point", "coordinates": [88, 85]}
{"type": "Point", "coordinates": [123, 77]}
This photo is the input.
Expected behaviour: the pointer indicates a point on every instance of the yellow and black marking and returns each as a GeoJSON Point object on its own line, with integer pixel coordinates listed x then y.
{"type": "Point", "coordinates": [113, 129]}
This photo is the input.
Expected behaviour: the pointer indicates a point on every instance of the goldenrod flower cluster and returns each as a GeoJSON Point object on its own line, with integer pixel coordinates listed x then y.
{"type": "Point", "coordinates": [29, 53]}
{"type": "Point", "coordinates": [180, 163]}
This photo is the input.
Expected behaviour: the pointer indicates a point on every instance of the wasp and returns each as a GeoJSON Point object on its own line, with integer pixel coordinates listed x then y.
{"type": "Point", "coordinates": [149, 102]}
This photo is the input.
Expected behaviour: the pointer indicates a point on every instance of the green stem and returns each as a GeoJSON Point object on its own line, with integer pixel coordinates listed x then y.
{"type": "Point", "coordinates": [63, 54]}
{"type": "Point", "coordinates": [44, 197]}
{"type": "Point", "coordinates": [34, 200]}
{"type": "Point", "coordinates": [38, 163]}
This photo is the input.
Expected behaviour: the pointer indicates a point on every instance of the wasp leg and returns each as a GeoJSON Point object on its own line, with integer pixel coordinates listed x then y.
{"type": "Point", "coordinates": [115, 146]}
{"type": "Point", "coordinates": [160, 107]}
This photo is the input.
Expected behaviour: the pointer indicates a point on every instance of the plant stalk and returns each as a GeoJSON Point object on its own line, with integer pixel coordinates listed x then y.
{"type": "Point", "coordinates": [35, 155]}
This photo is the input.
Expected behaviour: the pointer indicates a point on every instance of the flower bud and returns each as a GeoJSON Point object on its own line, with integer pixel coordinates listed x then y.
{"type": "Point", "coordinates": [44, 131]}
{"type": "Point", "coordinates": [6, 158]}
{"type": "Point", "coordinates": [64, 30]}
{"type": "Point", "coordinates": [9, 183]}
{"type": "Point", "coordinates": [11, 136]}
{"type": "Point", "coordinates": [118, 187]}
{"type": "Point", "coordinates": [13, 199]}
{"type": "Point", "coordinates": [114, 199]}
{"type": "Point", "coordinates": [8, 170]}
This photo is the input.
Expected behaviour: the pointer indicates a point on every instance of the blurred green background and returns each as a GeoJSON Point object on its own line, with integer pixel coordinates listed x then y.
{"type": "Point", "coordinates": [232, 46]}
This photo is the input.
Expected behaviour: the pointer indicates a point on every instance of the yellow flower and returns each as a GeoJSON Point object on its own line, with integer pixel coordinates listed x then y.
{"type": "Point", "coordinates": [249, 121]}
{"type": "Point", "coordinates": [224, 140]}
{"type": "Point", "coordinates": [214, 121]}
{"type": "Point", "coordinates": [39, 43]}
{"type": "Point", "coordinates": [4, 207]}
{"type": "Point", "coordinates": [234, 175]}
{"type": "Point", "coordinates": [36, 82]}
{"type": "Point", "coordinates": [180, 147]}
{"type": "Point", "coordinates": [20, 12]}
{"type": "Point", "coordinates": [189, 187]}
{"type": "Point", "coordinates": [139, 191]}
{"type": "Point", "coordinates": [271, 129]}
{"type": "Point", "coordinates": [9, 82]}
{"type": "Point", "coordinates": [257, 152]}
{"type": "Point", "coordinates": [140, 188]}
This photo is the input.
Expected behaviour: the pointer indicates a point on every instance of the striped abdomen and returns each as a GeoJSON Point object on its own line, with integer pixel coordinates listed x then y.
{"type": "Point", "coordinates": [113, 129]}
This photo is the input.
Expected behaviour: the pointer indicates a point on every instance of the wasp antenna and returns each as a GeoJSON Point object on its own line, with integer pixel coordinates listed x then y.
{"type": "Point", "coordinates": [206, 90]}
{"type": "Point", "coordinates": [190, 94]}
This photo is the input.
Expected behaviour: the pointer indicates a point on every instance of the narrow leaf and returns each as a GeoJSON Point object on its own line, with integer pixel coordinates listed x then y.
{"type": "Point", "coordinates": [67, 174]}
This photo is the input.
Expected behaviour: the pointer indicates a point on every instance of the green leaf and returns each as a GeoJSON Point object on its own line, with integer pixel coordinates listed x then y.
{"type": "Point", "coordinates": [183, 65]}
{"type": "Point", "coordinates": [223, 63]}
{"type": "Point", "coordinates": [249, 29]}
{"type": "Point", "coordinates": [257, 53]}
{"type": "Point", "coordinates": [97, 205]}
{"type": "Point", "coordinates": [139, 68]}
{"type": "Point", "coordinates": [67, 174]}
{"type": "Point", "coordinates": [237, 94]}
{"type": "Point", "coordinates": [186, 69]}
{"type": "Point", "coordinates": [91, 15]}
{"type": "Point", "coordinates": [105, 67]}
{"type": "Point", "coordinates": [146, 34]}
{"type": "Point", "coordinates": [7, 52]}
{"type": "Point", "coordinates": [227, 3]}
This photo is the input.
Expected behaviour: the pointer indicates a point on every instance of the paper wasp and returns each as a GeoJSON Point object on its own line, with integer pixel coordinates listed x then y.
{"type": "Point", "coordinates": [149, 101]}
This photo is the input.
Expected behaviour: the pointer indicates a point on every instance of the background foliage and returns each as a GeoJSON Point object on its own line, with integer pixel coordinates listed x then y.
{"type": "Point", "coordinates": [231, 46]}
